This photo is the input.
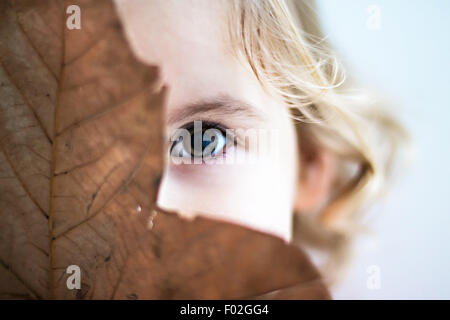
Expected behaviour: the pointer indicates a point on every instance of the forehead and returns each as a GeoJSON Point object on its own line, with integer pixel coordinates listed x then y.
{"type": "Point", "coordinates": [189, 40]}
{"type": "Point", "coordinates": [182, 32]}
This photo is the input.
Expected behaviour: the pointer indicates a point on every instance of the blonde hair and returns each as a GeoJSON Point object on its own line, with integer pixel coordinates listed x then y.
{"type": "Point", "coordinates": [282, 42]}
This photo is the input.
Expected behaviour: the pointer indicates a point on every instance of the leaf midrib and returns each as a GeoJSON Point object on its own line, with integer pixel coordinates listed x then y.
{"type": "Point", "coordinates": [53, 159]}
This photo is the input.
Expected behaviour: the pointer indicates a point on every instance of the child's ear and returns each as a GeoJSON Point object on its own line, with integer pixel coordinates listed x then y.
{"type": "Point", "coordinates": [316, 177]}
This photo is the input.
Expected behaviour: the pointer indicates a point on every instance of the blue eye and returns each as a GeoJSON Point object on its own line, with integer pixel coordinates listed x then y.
{"type": "Point", "coordinates": [205, 141]}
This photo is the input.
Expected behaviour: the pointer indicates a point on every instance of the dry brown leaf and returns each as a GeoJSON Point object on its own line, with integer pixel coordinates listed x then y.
{"type": "Point", "coordinates": [80, 162]}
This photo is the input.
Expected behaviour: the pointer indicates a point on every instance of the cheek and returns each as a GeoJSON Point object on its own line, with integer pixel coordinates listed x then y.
{"type": "Point", "coordinates": [258, 195]}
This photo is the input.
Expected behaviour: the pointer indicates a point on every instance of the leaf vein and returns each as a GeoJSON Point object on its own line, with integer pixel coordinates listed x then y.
{"type": "Point", "coordinates": [33, 293]}
{"type": "Point", "coordinates": [27, 103]}
{"type": "Point", "coordinates": [19, 179]}
{"type": "Point", "coordinates": [41, 58]}
{"type": "Point", "coordinates": [113, 196]}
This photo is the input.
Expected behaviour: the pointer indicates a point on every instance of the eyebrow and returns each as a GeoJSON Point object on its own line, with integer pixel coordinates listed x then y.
{"type": "Point", "coordinates": [219, 106]}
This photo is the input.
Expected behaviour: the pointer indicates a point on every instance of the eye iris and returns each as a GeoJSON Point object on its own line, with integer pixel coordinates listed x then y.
{"type": "Point", "coordinates": [205, 143]}
{"type": "Point", "coordinates": [215, 142]}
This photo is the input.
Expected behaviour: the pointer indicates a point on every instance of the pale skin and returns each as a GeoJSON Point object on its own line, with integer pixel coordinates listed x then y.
{"type": "Point", "coordinates": [188, 40]}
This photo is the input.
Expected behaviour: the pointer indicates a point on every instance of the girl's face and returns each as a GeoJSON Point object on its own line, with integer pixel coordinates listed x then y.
{"type": "Point", "coordinates": [208, 83]}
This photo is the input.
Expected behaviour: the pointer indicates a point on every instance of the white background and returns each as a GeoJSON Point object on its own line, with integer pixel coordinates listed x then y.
{"type": "Point", "coordinates": [407, 60]}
